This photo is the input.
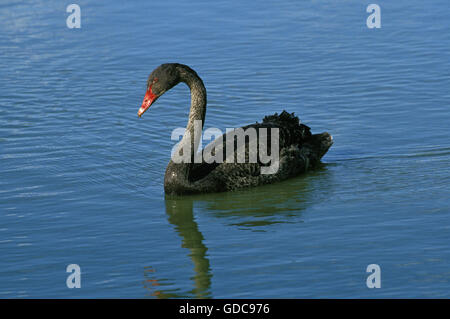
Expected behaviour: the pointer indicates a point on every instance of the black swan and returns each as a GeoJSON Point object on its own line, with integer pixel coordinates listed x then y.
{"type": "Point", "coordinates": [298, 149]}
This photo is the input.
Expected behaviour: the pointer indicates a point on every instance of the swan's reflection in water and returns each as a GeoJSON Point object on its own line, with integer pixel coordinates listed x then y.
{"type": "Point", "coordinates": [181, 215]}
{"type": "Point", "coordinates": [253, 209]}
{"type": "Point", "coordinates": [283, 202]}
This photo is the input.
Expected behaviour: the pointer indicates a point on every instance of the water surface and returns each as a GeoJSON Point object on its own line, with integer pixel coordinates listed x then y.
{"type": "Point", "coordinates": [81, 177]}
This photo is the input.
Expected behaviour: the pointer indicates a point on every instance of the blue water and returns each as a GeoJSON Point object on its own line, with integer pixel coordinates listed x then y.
{"type": "Point", "coordinates": [81, 177]}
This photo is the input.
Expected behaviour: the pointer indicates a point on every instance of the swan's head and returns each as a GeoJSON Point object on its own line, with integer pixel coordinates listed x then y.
{"type": "Point", "coordinates": [162, 79]}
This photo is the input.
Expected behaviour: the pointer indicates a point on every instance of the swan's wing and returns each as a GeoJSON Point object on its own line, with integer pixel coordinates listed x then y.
{"type": "Point", "coordinates": [244, 158]}
{"type": "Point", "coordinates": [241, 158]}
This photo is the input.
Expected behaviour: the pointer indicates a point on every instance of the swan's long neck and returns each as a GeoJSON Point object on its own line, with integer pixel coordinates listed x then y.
{"type": "Point", "coordinates": [196, 113]}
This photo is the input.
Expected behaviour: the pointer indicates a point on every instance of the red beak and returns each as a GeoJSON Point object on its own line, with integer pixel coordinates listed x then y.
{"type": "Point", "coordinates": [148, 100]}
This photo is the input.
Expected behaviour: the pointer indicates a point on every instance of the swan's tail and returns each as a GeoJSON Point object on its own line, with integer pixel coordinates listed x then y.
{"type": "Point", "coordinates": [321, 143]}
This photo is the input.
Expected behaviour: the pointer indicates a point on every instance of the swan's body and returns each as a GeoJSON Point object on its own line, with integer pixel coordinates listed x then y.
{"type": "Point", "coordinates": [299, 150]}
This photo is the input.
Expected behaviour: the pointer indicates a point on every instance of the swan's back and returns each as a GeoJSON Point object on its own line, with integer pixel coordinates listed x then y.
{"type": "Point", "coordinates": [299, 150]}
